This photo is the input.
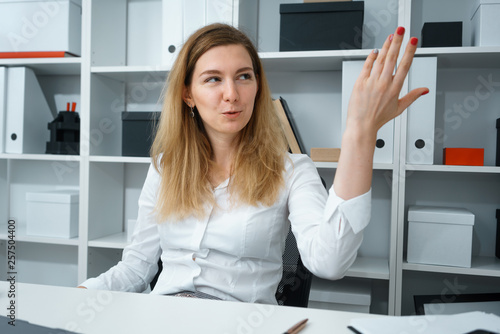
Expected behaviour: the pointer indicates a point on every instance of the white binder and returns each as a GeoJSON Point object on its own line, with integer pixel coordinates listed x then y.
{"type": "Point", "coordinates": [385, 136]}
{"type": "Point", "coordinates": [183, 17]}
{"type": "Point", "coordinates": [421, 114]}
{"type": "Point", "coordinates": [3, 93]}
{"type": "Point", "coordinates": [27, 113]}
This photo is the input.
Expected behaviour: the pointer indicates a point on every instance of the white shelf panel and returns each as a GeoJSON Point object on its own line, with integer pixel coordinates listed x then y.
{"type": "Point", "coordinates": [333, 165]}
{"type": "Point", "coordinates": [464, 57]}
{"type": "Point", "coordinates": [117, 240]}
{"type": "Point", "coordinates": [21, 236]}
{"type": "Point", "coordinates": [44, 157]}
{"type": "Point", "coordinates": [295, 61]}
{"type": "Point", "coordinates": [47, 66]}
{"type": "Point", "coordinates": [481, 266]}
{"type": "Point", "coordinates": [449, 168]}
{"type": "Point", "coordinates": [156, 73]}
{"type": "Point", "coordinates": [369, 267]}
{"type": "Point", "coordinates": [140, 160]}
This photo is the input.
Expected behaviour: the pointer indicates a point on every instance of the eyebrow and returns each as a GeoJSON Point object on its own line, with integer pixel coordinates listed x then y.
{"type": "Point", "coordinates": [209, 72]}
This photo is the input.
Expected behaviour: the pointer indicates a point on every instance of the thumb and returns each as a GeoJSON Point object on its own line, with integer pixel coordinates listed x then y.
{"type": "Point", "coordinates": [411, 97]}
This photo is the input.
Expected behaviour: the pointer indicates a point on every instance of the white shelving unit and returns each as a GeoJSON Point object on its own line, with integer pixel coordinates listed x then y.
{"type": "Point", "coordinates": [121, 69]}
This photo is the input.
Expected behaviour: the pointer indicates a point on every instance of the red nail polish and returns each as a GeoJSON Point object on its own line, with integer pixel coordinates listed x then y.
{"type": "Point", "coordinates": [401, 30]}
{"type": "Point", "coordinates": [425, 92]}
{"type": "Point", "coordinates": [414, 41]}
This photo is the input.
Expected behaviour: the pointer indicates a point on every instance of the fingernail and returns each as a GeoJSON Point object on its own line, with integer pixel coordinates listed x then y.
{"type": "Point", "coordinates": [391, 36]}
{"type": "Point", "coordinates": [414, 41]}
{"type": "Point", "coordinates": [425, 92]}
{"type": "Point", "coordinates": [401, 30]}
{"type": "Point", "coordinates": [375, 51]}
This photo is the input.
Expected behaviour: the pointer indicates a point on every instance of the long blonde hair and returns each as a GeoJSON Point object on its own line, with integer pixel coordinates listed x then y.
{"type": "Point", "coordinates": [182, 153]}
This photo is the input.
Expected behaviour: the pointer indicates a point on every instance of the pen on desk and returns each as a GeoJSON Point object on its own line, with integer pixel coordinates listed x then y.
{"type": "Point", "coordinates": [297, 327]}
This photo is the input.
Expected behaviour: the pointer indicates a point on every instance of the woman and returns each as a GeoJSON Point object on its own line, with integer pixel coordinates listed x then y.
{"type": "Point", "coordinates": [222, 190]}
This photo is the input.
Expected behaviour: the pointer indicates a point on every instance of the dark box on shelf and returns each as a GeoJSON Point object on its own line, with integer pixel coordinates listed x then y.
{"type": "Point", "coordinates": [497, 162]}
{"type": "Point", "coordinates": [138, 132]}
{"type": "Point", "coordinates": [441, 34]}
{"type": "Point", "coordinates": [321, 26]}
{"type": "Point", "coordinates": [497, 247]}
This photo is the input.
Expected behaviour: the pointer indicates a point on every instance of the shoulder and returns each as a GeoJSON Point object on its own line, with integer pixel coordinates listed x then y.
{"type": "Point", "coordinates": [299, 164]}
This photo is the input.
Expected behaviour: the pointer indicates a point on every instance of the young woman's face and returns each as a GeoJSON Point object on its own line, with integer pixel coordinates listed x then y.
{"type": "Point", "coordinates": [223, 89]}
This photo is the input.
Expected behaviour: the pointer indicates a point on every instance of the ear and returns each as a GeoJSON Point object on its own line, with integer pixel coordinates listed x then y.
{"type": "Point", "coordinates": [186, 96]}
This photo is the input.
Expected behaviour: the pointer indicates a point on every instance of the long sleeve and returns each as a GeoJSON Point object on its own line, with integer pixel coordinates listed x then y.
{"type": "Point", "coordinates": [328, 229]}
{"type": "Point", "coordinates": [140, 257]}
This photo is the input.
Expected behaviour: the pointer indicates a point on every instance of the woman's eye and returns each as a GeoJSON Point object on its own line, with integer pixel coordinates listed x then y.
{"type": "Point", "coordinates": [245, 76]}
{"type": "Point", "coordinates": [212, 79]}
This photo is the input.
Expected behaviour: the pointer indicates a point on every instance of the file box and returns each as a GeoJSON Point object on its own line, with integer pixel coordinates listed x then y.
{"type": "Point", "coordinates": [40, 26]}
{"type": "Point", "coordinates": [463, 156]}
{"type": "Point", "coordinates": [321, 26]}
{"type": "Point", "coordinates": [52, 213]}
{"type": "Point", "coordinates": [347, 294]}
{"type": "Point", "coordinates": [441, 34]}
{"type": "Point", "coordinates": [485, 24]}
{"type": "Point", "coordinates": [138, 132]}
{"type": "Point", "coordinates": [440, 236]}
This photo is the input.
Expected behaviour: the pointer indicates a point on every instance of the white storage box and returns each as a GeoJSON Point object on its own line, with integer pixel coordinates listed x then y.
{"type": "Point", "coordinates": [52, 213]}
{"type": "Point", "coordinates": [41, 26]}
{"type": "Point", "coordinates": [485, 24]}
{"type": "Point", "coordinates": [347, 294]}
{"type": "Point", "coordinates": [439, 235]}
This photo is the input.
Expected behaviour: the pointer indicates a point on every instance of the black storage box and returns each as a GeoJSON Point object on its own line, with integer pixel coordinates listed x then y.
{"type": "Point", "coordinates": [497, 162]}
{"type": "Point", "coordinates": [441, 34]}
{"type": "Point", "coordinates": [321, 26]}
{"type": "Point", "coordinates": [497, 247]}
{"type": "Point", "coordinates": [138, 132]}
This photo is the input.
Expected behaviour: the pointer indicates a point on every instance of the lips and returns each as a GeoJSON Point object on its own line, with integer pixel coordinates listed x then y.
{"type": "Point", "coordinates": [231, 114]}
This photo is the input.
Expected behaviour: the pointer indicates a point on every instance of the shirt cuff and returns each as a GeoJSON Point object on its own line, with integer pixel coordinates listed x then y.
{"type": "Point", "coordinates": [94, 284]}
{"type": "Point", "coordinates": [357, 211]}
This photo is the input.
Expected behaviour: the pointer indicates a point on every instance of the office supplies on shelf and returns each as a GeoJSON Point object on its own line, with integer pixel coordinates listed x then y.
{"type": "Point", "coordinates": [484, 23]}
{"type": "Point", "coordinates": [385, 136]}
{"type": "Point", "coordinates": [440, 235]}
{"type": "Point", "coordinates": [441, 34]}
{"type": "Point", "coordinates": [434, 324]}
{"type": "Point", "coordinates": [38, 54]}
{"type": "Point", "coordinates": [3, 93]}
{"type": "Point", "coordinates": [460, 156]}
{"type": "Point", "coordinates": [41, 25]}
{"type": "Point", "coordinates": [297, 327]}
{"type": "Point", "coordinates": [138, 132]}
{"type": "Point", "coordinates": [26, 113]}
{"type": "Point", "coordinates": [289, 126]}
{"type": "Point", "coordinates": [460, 303]}
{"type": "Point", "coordinates": [349, 294]}
{"type": "Point", "coordinates": [321, 26]}
{"type": "Point", "coordinates": [325, 154]}
{"type": "Point", "coordinates": [65, 132]}
{"type": "Point", "coordinates": [421, 114]}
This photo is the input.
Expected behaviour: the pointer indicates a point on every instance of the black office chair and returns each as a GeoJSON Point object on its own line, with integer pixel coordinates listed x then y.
{"type": "Point", "coordinates": [293, 289]}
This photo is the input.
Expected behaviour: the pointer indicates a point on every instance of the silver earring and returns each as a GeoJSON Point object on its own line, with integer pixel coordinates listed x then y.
{"type": "Point", "coordinates": [192, 112]}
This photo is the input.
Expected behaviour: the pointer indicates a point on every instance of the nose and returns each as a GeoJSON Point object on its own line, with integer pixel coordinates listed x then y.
{"type": "Point", "coordinates": [230, 93]}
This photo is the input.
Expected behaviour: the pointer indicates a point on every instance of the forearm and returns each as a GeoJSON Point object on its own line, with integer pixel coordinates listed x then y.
{"type": "Point", "coordinates": [354, 171]}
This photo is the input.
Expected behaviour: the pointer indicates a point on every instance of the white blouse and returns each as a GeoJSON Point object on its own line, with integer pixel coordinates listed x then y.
{"type": "Point", "coordinates": [235, 253]}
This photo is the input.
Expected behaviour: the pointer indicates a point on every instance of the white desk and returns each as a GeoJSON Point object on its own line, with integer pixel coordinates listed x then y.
{"type": "Point", "coordinates": [91, 311]}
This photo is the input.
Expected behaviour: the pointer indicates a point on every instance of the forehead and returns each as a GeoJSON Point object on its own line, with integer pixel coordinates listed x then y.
{"type": "Point", "coordinates": [224, 57]}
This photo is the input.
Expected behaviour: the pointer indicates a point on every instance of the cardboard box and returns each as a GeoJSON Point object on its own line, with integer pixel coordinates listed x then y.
{"type": "Point", "coordinates": [325, 154]}
{"type": "Point", "coordinates": [347, 294]}
{"type": "Point", "coordinates": [138, 132]}
{"type": "Point", "coordinates": [441, 34]}
{"type": "Point", "coordinates": [41, 26]}
{"type": "Point", "coordinates": [321, 26]}
{"type": "Point", "coordinates": [440, 236]}
{"type": "Point", "coordinates": [485, 24]}
{"type": "Point", "coordinates": [463, 156]}
{"type": "Point", "coordinates": [52, 213]}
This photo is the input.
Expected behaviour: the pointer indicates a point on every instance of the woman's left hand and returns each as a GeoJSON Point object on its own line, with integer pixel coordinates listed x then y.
{"type": "Point", "coordinates": [375, 97]}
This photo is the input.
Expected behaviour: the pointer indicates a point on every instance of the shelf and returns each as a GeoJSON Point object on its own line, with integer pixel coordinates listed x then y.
{"type": "Point", "coordinates": [481, 266]}
{"type": "Point", "coordinates": [464, 57]}
{"type": "Point", "coordinates": [333, 165]}
{"type": "Point", "coordinates": [449, 168]}
{"type": "Point", "coordinates": [156, 73]}
{"type": "Point", "coordinates": [47, 66]}
{"type": "Point", "coordinates": [46, 157]}
{"type": "Point", "coordinates": [21, 236]}
{"type": "Point", "coordinates": [369, 267]}
{"type": "Point", "coordinates": [117, 240]}
{"type": "Point", "coordinates": [140, 160]}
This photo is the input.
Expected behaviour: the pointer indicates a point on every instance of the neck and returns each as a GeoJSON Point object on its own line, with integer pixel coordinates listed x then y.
{"type": "Point", "coordinates": [224, 150]}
